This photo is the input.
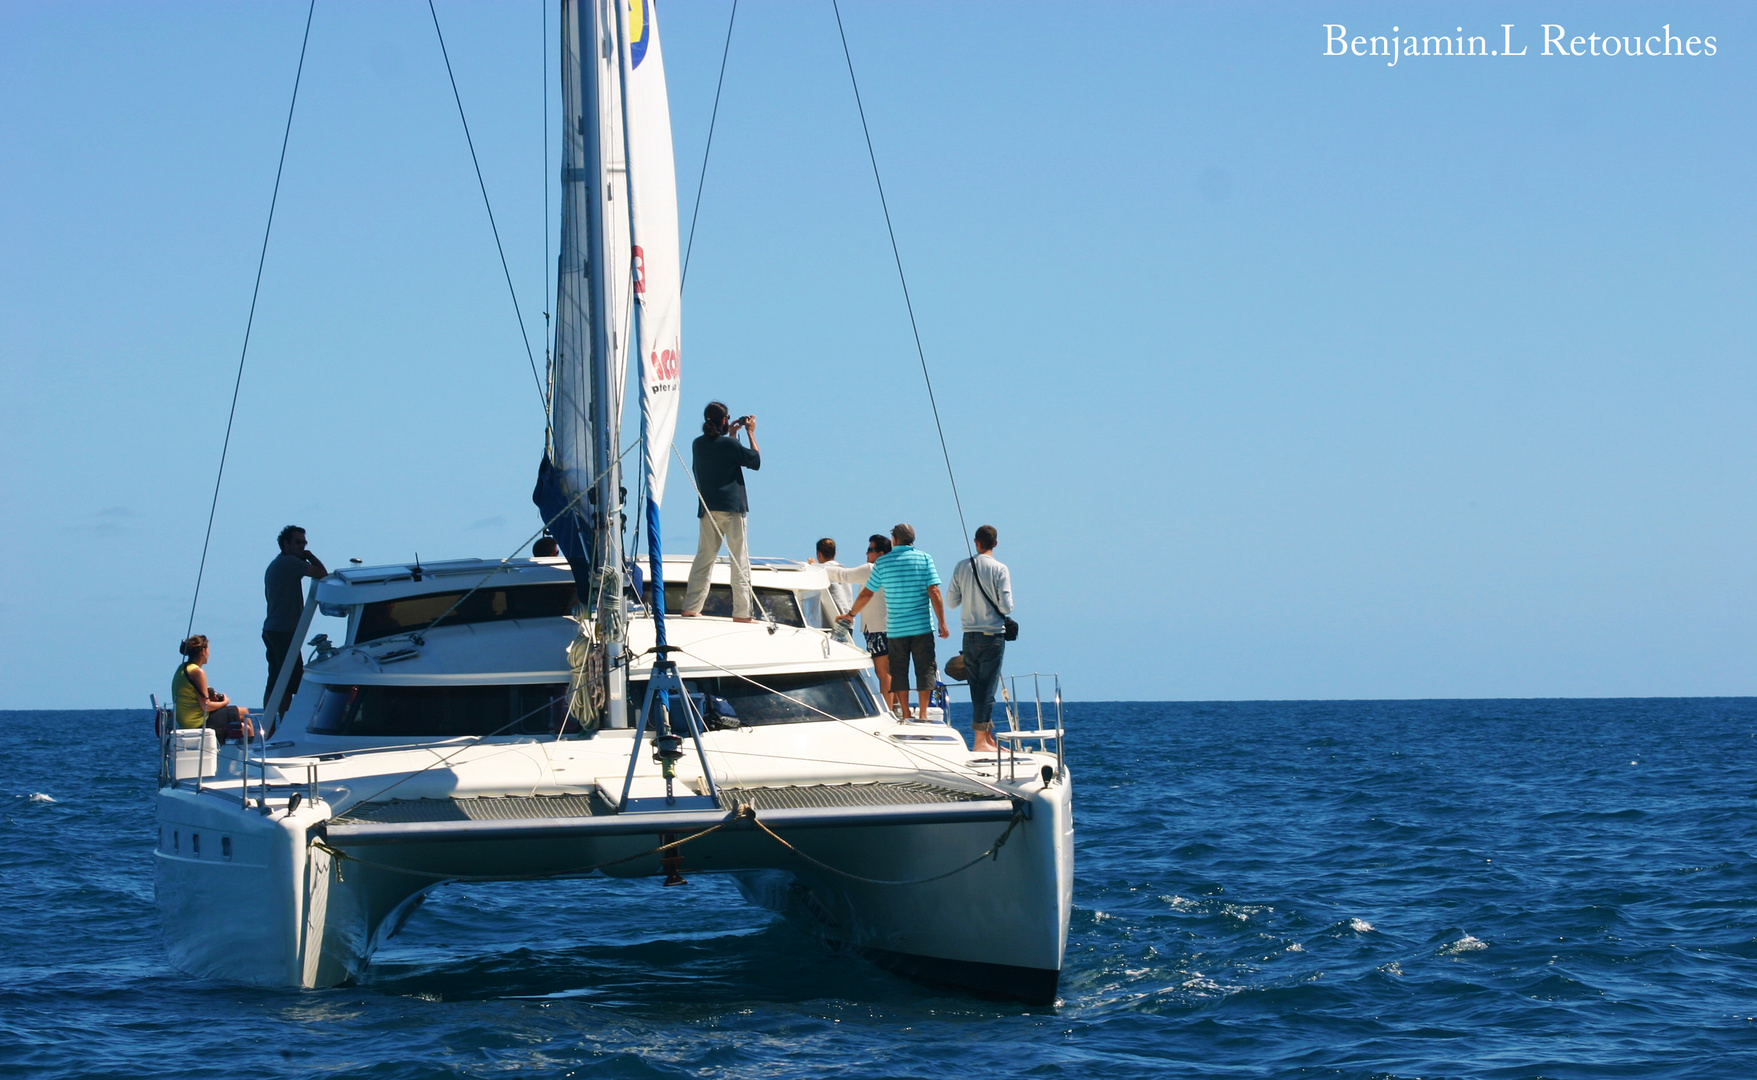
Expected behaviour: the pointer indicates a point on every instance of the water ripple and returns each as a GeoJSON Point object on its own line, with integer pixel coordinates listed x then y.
{"type": "Point", "coordinates": [1338, 889]}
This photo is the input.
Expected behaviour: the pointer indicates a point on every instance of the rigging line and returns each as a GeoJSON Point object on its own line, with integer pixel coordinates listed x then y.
{"type": "Point", "coordinates": [583, 871]}
{"type": "Point", "coordinates": [701, 180]}
{"type": "Point", "coordinates": [250, 322]}
{"type": "Point", "coordinates": [523, 334]}
{"type": "Point", "coordinates": [904, 281]}
{"type": "Point", "coordinates": [908, 754]}
{"type": "Point", "coordinates": [994, 851]}
{"type": "Point", "coordinates": [476, 740]}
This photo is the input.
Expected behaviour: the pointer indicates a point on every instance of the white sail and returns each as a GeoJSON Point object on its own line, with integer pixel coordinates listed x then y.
{"type": "Point", "coordinates": [614, 211]}
{"type": "Point", "coordinates": [658, 275]}
{"type": "Point", "coordinates": [594, 280]}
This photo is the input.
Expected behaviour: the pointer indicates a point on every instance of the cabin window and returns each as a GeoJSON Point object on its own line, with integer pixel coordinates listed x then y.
{"type": "Point", "coordinates": [781, 603]}
{"type": "Point", "coordinates": [388, 617]}
{"type": "Point", "coordinates": [443, 711]}
{"type": "Point", "coordinates": [758, 700]}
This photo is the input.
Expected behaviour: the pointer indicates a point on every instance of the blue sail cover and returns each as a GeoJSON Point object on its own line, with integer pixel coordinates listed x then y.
{"type": "Point", "coordinates": [570, 525]}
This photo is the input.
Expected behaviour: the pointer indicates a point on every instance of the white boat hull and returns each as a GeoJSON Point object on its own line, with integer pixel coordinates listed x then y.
{"type": "Point", "coordinates": [282, 910]}
{"type": "Point", "coordinates": [295, 875]}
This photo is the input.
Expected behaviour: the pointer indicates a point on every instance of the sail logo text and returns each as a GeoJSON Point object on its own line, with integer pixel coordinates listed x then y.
{"type": "Point", "coordinates": [1556, 41]}
{"type": "Point", "coordinates": [663, 365]}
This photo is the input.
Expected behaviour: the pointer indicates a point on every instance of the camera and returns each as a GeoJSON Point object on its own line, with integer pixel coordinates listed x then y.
{"type": "Point", "coordinates": [741, 421]}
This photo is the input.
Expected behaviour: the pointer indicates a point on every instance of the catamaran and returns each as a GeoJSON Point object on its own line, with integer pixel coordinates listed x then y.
{"type": "Point", "coordinates": [545, 717]}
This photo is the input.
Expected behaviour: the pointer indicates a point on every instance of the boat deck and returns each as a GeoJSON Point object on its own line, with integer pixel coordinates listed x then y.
{"type": "Point", "coordinates": [910, 802]}
{"type": "Point", "coordinates": [791, 797]}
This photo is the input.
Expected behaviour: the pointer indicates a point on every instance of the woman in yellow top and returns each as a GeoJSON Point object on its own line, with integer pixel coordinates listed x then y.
{"type": "Point", "coordinates": [199, 705]}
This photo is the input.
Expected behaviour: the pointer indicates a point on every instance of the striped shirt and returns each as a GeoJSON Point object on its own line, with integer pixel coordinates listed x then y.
{"type": "Point", "coordinates": [905, 575]}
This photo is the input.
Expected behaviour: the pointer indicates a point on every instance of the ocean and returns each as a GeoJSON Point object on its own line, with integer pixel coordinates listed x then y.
{"type": "Point", "coordinates": [1505, 889]}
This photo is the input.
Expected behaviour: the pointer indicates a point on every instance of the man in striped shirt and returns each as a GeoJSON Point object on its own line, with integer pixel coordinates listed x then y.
{"type": "Point", "coordinates": [910, 583]}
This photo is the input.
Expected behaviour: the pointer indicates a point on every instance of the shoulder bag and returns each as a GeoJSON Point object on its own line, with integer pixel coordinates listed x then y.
{"type": "Point", "coordinates": [1009, 628]}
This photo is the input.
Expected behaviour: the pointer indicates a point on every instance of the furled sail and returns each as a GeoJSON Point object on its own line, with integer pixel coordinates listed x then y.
{"type": "Point", "coordinates": [617, 287]}
{"type": "Point", "coordinates": [579, 484]}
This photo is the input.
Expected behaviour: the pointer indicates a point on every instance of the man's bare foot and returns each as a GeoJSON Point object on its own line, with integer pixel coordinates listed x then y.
{"type": "Point", "coordinates": [744, 620]}
{"type": "Point", "coordinates": [692, 614]}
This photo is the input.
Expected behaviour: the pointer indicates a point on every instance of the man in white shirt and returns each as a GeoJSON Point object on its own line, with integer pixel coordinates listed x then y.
{"type": "Point", "coordinates": [982, 588]}
{"type": "Point", "coordinates": [872, 617]}
{"type": "Point", "coordinates": [840, 594]}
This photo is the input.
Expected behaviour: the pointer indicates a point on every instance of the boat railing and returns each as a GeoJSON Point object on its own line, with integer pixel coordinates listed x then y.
{"type": "Point", "coordinates": [194, 757]}
{"type": "Point", "coordinates": [1030, 722]}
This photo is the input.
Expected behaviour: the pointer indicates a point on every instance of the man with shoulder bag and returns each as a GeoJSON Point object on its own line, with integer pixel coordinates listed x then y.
{"type": "Point", "coordinates": [982, 590]}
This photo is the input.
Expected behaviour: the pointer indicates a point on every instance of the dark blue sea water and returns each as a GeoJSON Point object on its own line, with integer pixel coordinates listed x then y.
{"type": "Point", "coordinates": [1302, 889]}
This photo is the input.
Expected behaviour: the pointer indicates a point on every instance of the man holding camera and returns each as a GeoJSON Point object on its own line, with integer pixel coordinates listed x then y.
{"type": "Point", "coordinates": [719, 462]}
{"type": "Point", "coordinates": [286, 602]}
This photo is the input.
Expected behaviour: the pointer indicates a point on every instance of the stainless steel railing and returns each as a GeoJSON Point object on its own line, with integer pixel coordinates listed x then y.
{"type": "Point", "coordinates": [1014, 705]}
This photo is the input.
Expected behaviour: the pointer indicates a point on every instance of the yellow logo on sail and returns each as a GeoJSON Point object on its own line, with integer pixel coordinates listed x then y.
{"type": "Point", "coordinates": [638, 19]}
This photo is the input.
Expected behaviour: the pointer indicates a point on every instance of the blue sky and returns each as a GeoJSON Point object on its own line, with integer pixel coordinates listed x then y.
{"type": "Point", "coordinates": [1282, 375]}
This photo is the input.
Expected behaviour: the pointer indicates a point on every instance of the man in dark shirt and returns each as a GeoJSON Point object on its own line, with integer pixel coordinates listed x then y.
{"type": "Point", "coordinates": [720, 461]}
{"type": "Point", "coordinates": [286, 601]}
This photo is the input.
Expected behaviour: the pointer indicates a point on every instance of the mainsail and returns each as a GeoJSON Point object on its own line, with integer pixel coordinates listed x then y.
{"type": "Point", "coordinates": [595, 300]}
{"type": "Point", "coordinates": [618, 286]}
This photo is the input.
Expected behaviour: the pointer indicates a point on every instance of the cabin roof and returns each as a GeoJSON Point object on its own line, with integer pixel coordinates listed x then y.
{"type": "Point", "coordinates": [366, 584]}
